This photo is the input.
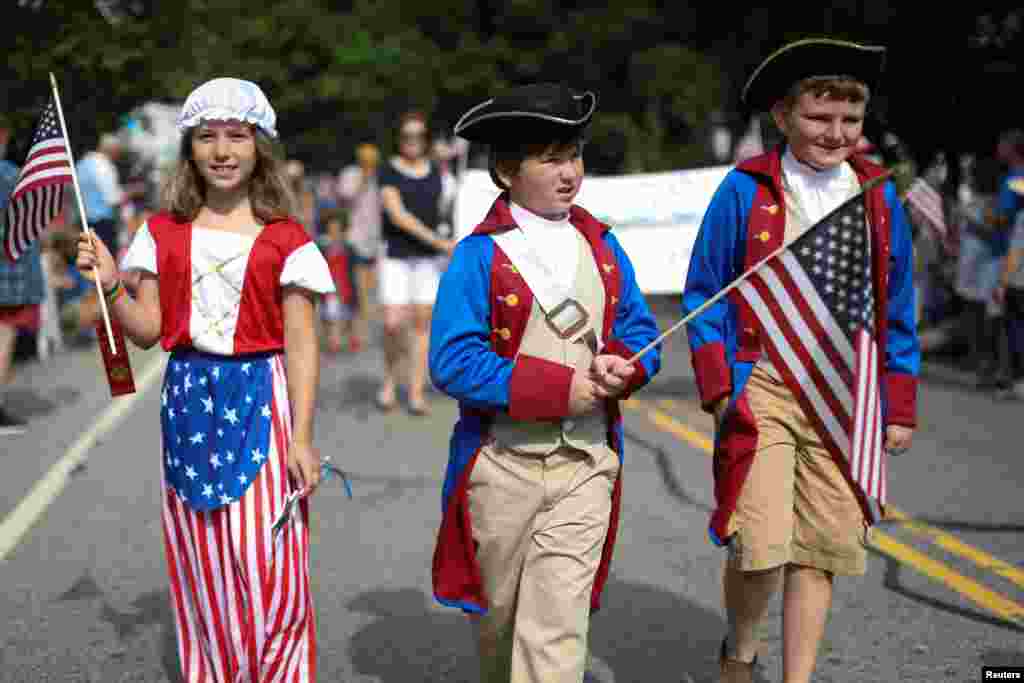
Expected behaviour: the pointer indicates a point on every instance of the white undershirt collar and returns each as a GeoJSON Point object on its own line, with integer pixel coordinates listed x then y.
{"type": "Point", "coordinates": [555, 241]}
{"type": "Point", "coordinates": [819, 192]}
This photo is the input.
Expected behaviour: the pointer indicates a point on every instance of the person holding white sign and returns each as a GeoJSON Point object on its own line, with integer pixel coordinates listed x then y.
{"type": "Point", "coordinates": [536, 317]}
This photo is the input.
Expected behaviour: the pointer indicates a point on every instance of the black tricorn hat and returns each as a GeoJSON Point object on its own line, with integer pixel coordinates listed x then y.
{"type": "Point", "coordinates": [535, 112]}
{"type": "Point", "coordinates": [812, 57]}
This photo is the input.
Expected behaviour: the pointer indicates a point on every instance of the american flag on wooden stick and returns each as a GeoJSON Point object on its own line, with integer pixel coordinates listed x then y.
{"type": "Point", "coordinates": [38, 195]}
{"type": "Point", "coordinates": [815, 302]}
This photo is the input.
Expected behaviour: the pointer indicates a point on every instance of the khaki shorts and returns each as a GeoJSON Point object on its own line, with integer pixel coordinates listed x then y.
{"type": "Point", "coordinates": [795, 506]}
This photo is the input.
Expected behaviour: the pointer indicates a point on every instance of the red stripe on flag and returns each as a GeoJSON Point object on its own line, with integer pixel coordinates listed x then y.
{"type": "Point", "coordinates": [780, 312]}
{"type": "Point", "coordinates": [810, 319]}
{"type": "Point", "coordinates": [805, 403]}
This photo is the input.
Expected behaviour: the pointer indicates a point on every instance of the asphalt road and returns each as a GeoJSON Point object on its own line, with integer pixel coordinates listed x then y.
{"type": "Point", "coordinates": [84, 590]}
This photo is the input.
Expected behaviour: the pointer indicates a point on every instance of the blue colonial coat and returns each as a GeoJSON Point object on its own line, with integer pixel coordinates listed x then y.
{"type": "Point", "coordinates": [478, 323]}
{"type": "Point", "coordinates": [745, 222]}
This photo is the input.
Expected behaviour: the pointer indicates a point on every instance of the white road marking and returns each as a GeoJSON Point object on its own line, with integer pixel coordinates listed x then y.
{"type": "Point", "coordinates": [46, 490]}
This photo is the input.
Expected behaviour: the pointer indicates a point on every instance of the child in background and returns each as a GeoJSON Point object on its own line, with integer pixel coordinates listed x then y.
{"type": "Point", "coordinates": [336, 311]}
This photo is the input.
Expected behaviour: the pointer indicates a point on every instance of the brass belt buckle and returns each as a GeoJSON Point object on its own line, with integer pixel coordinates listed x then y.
{"type": "Point", "coordinates": [568, 318]}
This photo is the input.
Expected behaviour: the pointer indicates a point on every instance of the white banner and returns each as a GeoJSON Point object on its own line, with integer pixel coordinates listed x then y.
{"type": "Point", "coordinates": [655, 216]}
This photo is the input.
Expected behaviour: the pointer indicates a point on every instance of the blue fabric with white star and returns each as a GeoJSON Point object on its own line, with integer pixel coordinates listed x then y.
{"type": "Point", "coordinates": [216, 419]}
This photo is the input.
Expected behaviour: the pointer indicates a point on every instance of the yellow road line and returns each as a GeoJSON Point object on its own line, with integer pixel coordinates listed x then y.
{"type": "Point", "coordinates": [974, 591]}
{"type": "Point", "coordinates": [46, 490]}
{"type": "Point", "coordinates": [669, 424]}
{"type": "Point", "coordinates": [954, 545]}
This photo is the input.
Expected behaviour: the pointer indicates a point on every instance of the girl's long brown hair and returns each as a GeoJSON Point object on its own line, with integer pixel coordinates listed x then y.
{"type": "Point", "coordinates": [184, 192]}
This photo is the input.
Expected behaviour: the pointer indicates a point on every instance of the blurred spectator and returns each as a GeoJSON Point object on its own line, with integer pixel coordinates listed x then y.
{"type": "Point", "coordinates": [411, 188]}
{"type": "Point", "coordinates": [978, 268]}
{"type": "Point", "coordinates": [336, 311]}
{"type": "Point", "coordinates": [1010, 292]}
{"type": "Point", "coordinates": [77, 302]}
{"type": "Point", "coordinates": [326, 192]}
{"type": "Point", "coordinates": [102, 192]}
{"type": "Point", "coordinates": [305, 197]}
{"type": "Point", "coordinates": [1010, 151]}
{"type": "Point", "coordinates": [443, 153]}
{"type": "Point", "coordinates": [1010, 208]}
{"type": "Point", "coordinates": [357, 188]}
{"type": "Point", "coordinates": [22, 289]}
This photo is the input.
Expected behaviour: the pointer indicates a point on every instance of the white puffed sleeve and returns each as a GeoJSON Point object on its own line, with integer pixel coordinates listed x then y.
{"type": "Point", "coordinates": [141, 255]}
{"type": "Point", "coordinates": [306, 267]}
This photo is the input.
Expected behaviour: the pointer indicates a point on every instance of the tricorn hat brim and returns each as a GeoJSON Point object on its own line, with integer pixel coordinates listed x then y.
{"type": "Point", "coordinates": [528, 112]}
{"type": "Point", "coordinates": [807, 58]}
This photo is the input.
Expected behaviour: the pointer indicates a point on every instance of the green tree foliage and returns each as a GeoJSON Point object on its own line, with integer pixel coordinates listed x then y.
{"type": "Point", "coordinates": [340, 72]}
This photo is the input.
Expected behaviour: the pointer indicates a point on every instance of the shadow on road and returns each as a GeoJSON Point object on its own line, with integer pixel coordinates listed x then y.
{"type": "Point", "coordinates": [30, 404]}
{"type": "Point", "coordinates": [668, 475]}
{"type": "Point", "coordinates": [409, 641]}
{"type": "Point", "coordinates": [642, 632]}
{"type": "Point", "coordinates": [149, 608]}
{"type": "Point", "coordinates": [1002, 658]}
{"type": "Point", "coordinates": [892, 582]}
{"type": "Point", "coordinates": [353, 395]}
{"type": "Point", "coordinates": [153, 608]}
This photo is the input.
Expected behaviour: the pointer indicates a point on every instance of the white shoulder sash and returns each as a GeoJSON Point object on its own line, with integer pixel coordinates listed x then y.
{"type": "Point", "coordinates": [566, 316]}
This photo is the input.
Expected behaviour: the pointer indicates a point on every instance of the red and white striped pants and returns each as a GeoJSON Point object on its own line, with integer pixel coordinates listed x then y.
{"type": "Point", "coordinates": [242, 605]}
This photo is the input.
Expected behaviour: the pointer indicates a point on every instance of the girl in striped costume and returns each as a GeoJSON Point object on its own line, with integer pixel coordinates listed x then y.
{"type": "Point", "coordinates": [228, 286]}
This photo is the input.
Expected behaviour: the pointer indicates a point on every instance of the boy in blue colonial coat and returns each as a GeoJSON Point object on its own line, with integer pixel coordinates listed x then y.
{"type": "Point", "coordinates": [537, 313]}
{"type": "Point", "coordinates": [788, 512]}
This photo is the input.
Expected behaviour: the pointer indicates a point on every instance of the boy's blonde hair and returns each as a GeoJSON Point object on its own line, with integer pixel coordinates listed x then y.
{"type": "Point", "coordinates": [832, 87]}
{"type": "Point", "coordinates": [184, 192]}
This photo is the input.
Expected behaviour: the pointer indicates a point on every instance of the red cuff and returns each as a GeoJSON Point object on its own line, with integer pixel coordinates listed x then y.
{"type": "Point", "coordinates": [539, 389]}
{"type": "Point", "coordinates": [901, 399]}
{"type": "Point", "coordinates": [615, 347]}
{"type": "Point", "coordinates": [714, 380]}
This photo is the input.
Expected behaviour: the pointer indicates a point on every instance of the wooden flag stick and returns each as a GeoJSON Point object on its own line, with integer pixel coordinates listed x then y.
{"type": "Point", "coordinates": [81, 213]}
{"type": "Point", "coordinates": [738, 281]}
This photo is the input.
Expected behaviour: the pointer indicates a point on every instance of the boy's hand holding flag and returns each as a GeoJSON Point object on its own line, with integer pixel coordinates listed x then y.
{"type": "Point", "coordinates": [814, 298]}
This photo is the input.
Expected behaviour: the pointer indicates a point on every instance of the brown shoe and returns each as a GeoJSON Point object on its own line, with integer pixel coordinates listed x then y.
{"type": "Point", "coordinates": [733, 670]}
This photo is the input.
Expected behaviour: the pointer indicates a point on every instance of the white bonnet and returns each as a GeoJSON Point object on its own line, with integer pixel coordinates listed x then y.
{"type": "Point", "coordinates": [228, 99]}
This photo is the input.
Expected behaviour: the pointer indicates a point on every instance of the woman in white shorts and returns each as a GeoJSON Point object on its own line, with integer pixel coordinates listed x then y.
{"type": "Point", "coordinates": [411, 192]}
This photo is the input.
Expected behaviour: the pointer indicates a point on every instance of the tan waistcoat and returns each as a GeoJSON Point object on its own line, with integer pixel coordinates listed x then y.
{"type": "Point", "coordinates": [588, 433]}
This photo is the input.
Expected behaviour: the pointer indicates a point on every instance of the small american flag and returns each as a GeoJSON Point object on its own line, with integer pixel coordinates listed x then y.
{"type": "Point", "coordinates": [925, 203]}
{"type": "Point", "coordinates": [38, 195]}
{"type": "Point", "coordinates": [815, 302]}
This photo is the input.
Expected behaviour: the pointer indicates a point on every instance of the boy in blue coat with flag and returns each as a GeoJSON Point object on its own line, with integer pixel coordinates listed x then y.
{"type": "Point", "coordinates": [786, 508]}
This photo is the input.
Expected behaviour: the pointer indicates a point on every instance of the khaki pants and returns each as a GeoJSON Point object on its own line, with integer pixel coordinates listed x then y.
{"type": "Point", "coordinates": [539, 524]}
{"type": "Point", "coordinates": [796, 506]}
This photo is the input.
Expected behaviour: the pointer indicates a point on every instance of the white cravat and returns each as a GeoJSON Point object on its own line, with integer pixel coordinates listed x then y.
{"type": "Point", "coordinates": [555, 242]}
{"type": "Point", "coordinates": [818, 192]}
